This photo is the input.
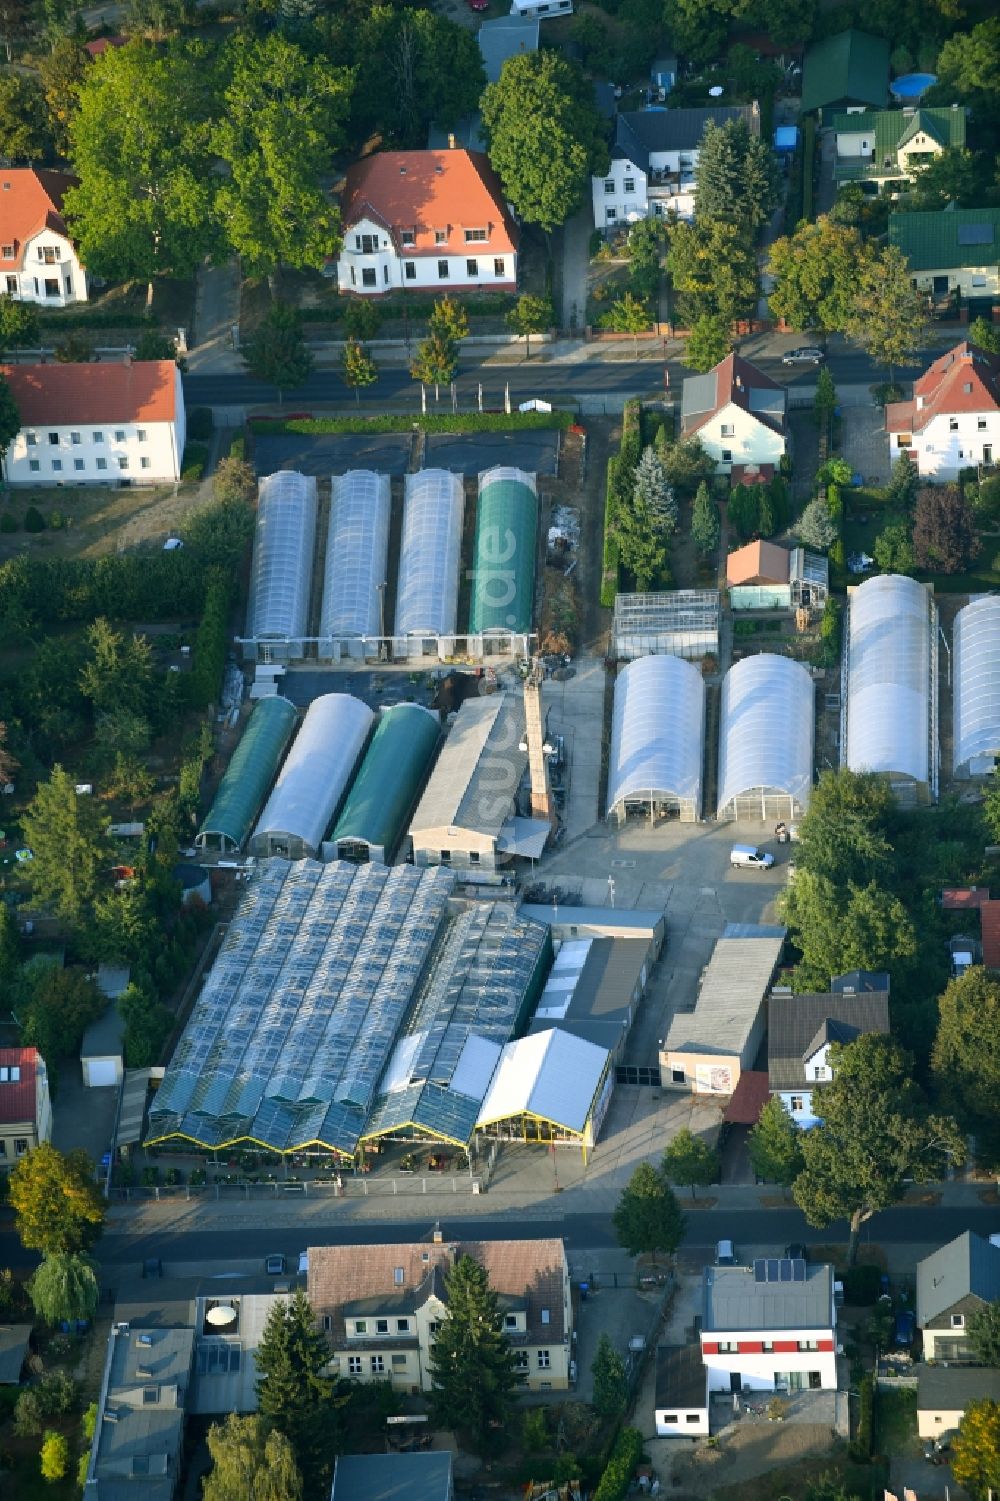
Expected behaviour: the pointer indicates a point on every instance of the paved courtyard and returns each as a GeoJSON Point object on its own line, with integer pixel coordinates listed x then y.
{"type": "Point", "coordinates": [864, 443]}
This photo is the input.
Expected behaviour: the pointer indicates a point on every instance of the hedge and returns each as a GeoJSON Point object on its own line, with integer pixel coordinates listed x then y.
{"type": "Point", "coordinates": [193, 463]}
{"type": "Point", "coordinates": [609, 564]}
{"type": "Point", "coordinates": [614, 1483]}
{"type": "Point", "coordinates": [862, 1445]}
{"type": "Point", "coordinates": [808, 161]}
{"type": "Point", "coordinates": [123, 320]}
{"type": "Point", "coordinates": [430, 422]}
{"type": "Point", "coordinates": [490, 305]}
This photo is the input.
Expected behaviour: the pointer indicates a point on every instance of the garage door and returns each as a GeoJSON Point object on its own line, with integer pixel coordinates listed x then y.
{"type": "Point", "coordinates": [101, 1072]}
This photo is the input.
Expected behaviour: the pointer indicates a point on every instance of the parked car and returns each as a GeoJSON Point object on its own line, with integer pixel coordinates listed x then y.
{"type": "Point", "coordinates": [796, 1251]}
{"type": "Point", "coordinates": [748, 856]}
{"type": "Point", "coordinates": [906, 1323]}
{"type": "Point", "coordinates": [274, 1266]}
{"type": "Point", "coordinates": [808, 354]}
{"type": "Point", "coordinates": [725, 1254]}
{"type": "Point", "coordinates": [935, 1450]}
{"type": "Point", "coordinates": [478, 4]}
{"type": "Point", "coordinates": [152, 1267]}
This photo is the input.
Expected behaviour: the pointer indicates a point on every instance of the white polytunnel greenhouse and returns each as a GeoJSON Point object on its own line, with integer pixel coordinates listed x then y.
{"type": "Point", "coordinates": [977, 687]}
{"type": "Point", "coordinates": [427, 590]}
{"type": "Point", "coordinates": [891, 664]}
{"type": "Point", "coordinates": [657, 740]}
{"type": "Point", "coordinates": [314, 778]}
{"type": "Point", "coordinates": [281, 575]}
{"type": "Point", "coordinates": [766, 735]}
{"type": "Point", "coordinates": [356, 548]}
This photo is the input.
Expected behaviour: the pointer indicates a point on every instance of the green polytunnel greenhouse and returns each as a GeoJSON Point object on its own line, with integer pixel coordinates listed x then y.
{"type": "Point", "coordinates": [503, 576]}
{"type": "Point", "coordinates": [386, 786]}
{"type": "Point", "coordinates": [249, 775]}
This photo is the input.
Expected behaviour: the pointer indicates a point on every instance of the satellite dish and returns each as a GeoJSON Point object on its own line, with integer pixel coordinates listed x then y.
{"type": "Point", "coordinates": [716, 91]}
{"type": "Point", "coordinates": [220, 1315]}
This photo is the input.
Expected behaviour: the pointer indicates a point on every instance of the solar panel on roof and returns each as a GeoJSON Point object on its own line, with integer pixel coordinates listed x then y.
{"type": "Point", "coordinates": [760, 1270]}
{"type": "Point", "coordinates": [772, 1269]}
{"type": "Point", "coordinates": [785, 1269]}
{"type": "Point", "coordinates": [975, 234]}
{"type": "Point", "coordinates": [798, 1270]}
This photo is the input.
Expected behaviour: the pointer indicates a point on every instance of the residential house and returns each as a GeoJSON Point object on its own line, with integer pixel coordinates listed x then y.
{"type": "Point", "coordinates": [952, 421]}
{"type": "Point", "coordinates": [653, 160]}
{"type": "Point", "coordinates": [801, 1029]}
{"type": "Point", "coordinates": [952, 250]}
{"type": "Point", "coordinates": [25, 1108]}
{"type": "Point", "coordinates": [847, 71]}
{"type": "Point", "coordinates": [681, 1397]}
{"type": "Point", "coordinates": [113, 424]}
{"type": "Point", "coordinates": [419, 219]}
{"type": "Point", "coordinates": [381, 1305]}
{"type": "Point", "coordinates": [890, 146]}
{"type": "Point", "coordinates": [739, 415]}
{"type": "Point", "coordinates": [764, 576]}
{"type": "Point", "coordinates": [139, 1433]}
{"type": "Point", "coordinates": [769, 1327]}
{"type": "Point", "coordinates": [38, 260]}
{"type": "Point", "coordinates": [504, 38]}
{"type": "Point", "coordinates": [953, 1283]}
{"type": "Point", "coordinates": [102, 44]}
{"type": "Point", "coordinates": [858, 981]}
{"type": "Point", "coordinates": [945, 1391]}
{"type": "Point", "coordinates": [393, 1477]}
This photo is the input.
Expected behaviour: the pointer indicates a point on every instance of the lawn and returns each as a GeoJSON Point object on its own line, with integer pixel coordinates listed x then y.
{"type": "Point", "coordinates": [896, 1424]}
{"type": "Point", "coordinates": [87, 522]}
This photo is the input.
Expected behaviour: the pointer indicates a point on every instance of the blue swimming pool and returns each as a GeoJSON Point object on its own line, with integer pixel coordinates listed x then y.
{"type": "Point", "coordinates": [912, 85]}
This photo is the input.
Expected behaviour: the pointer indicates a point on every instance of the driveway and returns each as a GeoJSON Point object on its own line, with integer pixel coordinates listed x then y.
{"type": "Point", "coordinates": [865, 445]}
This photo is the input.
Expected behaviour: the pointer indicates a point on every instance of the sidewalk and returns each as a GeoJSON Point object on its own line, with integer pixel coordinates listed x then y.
{"type": "Point", "coordinates": [217, 313]}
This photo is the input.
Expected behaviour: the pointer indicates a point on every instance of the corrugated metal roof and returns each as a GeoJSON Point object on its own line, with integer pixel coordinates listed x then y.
{"type": "Point", "coordinates": [938, 241]}
{"type": "Point", "coordinates": [479, 769]}
{"type": "Point", "coordinates": [549, 1074]}
{"type": "Point", "coordinates": [735, 1301]}
{"type": "Point", "coordinates": [732, 992]}
{"type": "Point", "coordinates": [967, 1265]}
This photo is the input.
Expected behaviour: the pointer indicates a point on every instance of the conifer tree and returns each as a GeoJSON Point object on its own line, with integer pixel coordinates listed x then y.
{"type": "Point", "coordinates": [473, 1371]}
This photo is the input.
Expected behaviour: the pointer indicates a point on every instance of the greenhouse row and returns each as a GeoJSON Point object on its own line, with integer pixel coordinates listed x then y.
{"type": "Point", "coordinates": [658, 740]}
{"type": "Point", "coordinates": [352, 610]}
{"type": "Point", "coordinates": [976, 704]}
{"type": "Point", "coordinates": [327, 760]}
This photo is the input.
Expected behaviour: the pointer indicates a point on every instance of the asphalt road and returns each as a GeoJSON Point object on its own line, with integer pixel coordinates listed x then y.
{"type": "Point", "coordinates": [776, 1227]}
{"type": "Point", "coordinates": [395, 387]}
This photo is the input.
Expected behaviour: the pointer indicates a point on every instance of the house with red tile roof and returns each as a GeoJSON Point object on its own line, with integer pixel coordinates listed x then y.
{"type": "Point", "coordinates": [738, 414]}
{"type": "Point", "coordinates": [380, 1306]}
{"type": "Point", "coordinates": [103, 424]}
{"type": "Point", "coordinates": [25, 1109]}
{"type": "Point", "coordinates": [764, 576]}
{"type": "Point", "coordinates": [102, 44]}
{"type": "Point", "coordinates": [425, 220]}
{"type": "Point", "coordinates": [38, 260]}
{"type": "Point", "coordinates": [953, 420]}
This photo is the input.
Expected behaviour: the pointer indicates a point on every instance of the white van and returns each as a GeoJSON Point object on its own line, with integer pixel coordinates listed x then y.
{"type": "Point", "coordinates": [725, 1253]}
{"type": "Point", "coordinates": [742, 856]}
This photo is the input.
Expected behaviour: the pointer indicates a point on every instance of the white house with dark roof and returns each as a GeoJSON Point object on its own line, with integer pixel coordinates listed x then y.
{"type": "Point", "coordinates": [769, 1327]}
{"type": "Point", "coordinates": [38, 260]}
{"type": "Point", "coordinates": [945, 1391]}
{"type": "Point", "coordinates": [653, 159]}
{"type": "Point", "coordinates": [738, 414]}
{"type": "Point", "coordinates": [952, 421]}
{"type": "Point", "coordinates": [801, 1030]}
{"type": "Point", "coordinates": [953, 1283]}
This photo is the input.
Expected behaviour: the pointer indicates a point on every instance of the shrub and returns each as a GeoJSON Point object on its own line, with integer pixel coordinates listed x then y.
{"type": "Point", "coordinates": [7, 523]}
{"type": "Point", "coordinates": [54, 1456]}
{"type": "Point", "coordinates": [193, 465]}
{"type": "Point", "coordinates": [34, 521]}
{"type": "Point", "coordinates": [200, 424]}
{"type": "Point", "coordinates": [429, 422]}
{"type": "Point", "coordinates": [618, 1471]}
{"type": "Point", "coordinates": [861, 1445]}
{"type": "Point", "coordinates": [609, 566]}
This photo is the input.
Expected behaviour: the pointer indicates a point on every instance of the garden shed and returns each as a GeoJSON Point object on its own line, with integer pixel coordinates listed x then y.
{"type": "Point", "coordinates": [657, 740]}
{"type": "Point", "coordinates": [766, 740]}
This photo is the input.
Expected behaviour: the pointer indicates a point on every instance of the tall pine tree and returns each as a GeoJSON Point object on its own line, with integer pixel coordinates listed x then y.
{"type": "Point", "coordinates": [473, 1368]}
{"type": "Point", "coordinates": [705, 522]}
{"type": "Point", "coordinates": [293, 1395]}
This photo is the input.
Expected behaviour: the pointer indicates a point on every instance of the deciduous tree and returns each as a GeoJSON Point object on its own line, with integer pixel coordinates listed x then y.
{"type": "Point", "coordinates": [292, 1393]}
{"type": "Point", "coordinates": [277, 351]}
{"type": "Point", "coordinates": [966, 1056]}
{"type": "Point", "coordinates": [713, 266]}
{"type": "Point", "coordinates": [65, 832]}
{"type": "Point", "coordinates": [945, 539]}
{"type": "Point", "coordinates": [530, 315]}
{"type": "Point", "coordinates": [840, 928]}
{"type": "Point", "coordinates": [610, 1385]}
{"type": "Point", "coordinates": [710, 340]}
{"type": "Point", "coordinates": [975, 1457]}
{"type": "Point", "coordinates": [844, 834]}
{"type": "Point", "coordinates": [953, 176]}
{"type": "Point", "coordinates": [473, 1372]}
{"type": "Point", "coordinates": [775, 1145]}
{"type": "Point", "coordinates": [886, 318]}
{"type": "Point", "coordinates": [10, 418]}
{"type": "Point", "coordinates": [689, 1160]}
{"type": "Point", "coordinates": [545, 136]}
{"type": "Point", "coordinates": [65, 1288]}
{"type": "Point", "coordinates": [815, 272]}
{"type": "Point", "coordinates": [435, 363]}
{"type": "Point", "coordinates": [234, 481]}
{"type": "Point", "coordinates": [893, 548]}
{"type": "Point", "coordinates": [414, 68]}
{"type": "Point", "coordinates": [705, 525]}
{"type": "Point", "coordinates": [24, 118]}
{"type": "Point", "coordinates": [648, 1220]}
{"type": "Point", "coordinates": [57, 1205]}
{"type": "Point", "coordinates": [448, 321]}
{"type": "Point", "coordinates": [627, 315]}
{"type": "Point", "coordinates": [359, 368]}
{"type": "Point", "coordinates": [985, 335]}
{"type": "Point", "coordinates": [875, 1133]}
{"type": "Point", "coordinates": [56, 1006]}
{"type": "Point", "coordinates": [249, 1463]}
{"type": "Point", "coordinates": [18, 324]}
{"type": "Point", "coordinates": [737, 176]}
{"type": "Point", "coordinates": [686, 464]}
{"type": "Point", "coordinates": [62, 71]}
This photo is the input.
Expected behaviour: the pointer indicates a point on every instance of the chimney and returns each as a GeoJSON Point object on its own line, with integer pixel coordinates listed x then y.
{"type": "Point", "coordinates": [437, 1234]}
{"type": "Point", "coordinates": [451, 140]}
{"type": "Point", "coordinates": [538, 766]}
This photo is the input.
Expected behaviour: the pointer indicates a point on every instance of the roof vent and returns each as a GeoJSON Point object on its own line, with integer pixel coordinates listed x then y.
{"type": "Point", "coordinates": [6, 187]}
{"type": "Point", "coordinates": [402, 171]}
{"type": "Point", "coordinates": [438, 167]}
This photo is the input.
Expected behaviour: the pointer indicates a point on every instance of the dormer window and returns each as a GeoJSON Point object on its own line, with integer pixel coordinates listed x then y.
{"type": "Point", "coordinates": [408, 236]}
{"type": "Point", "coordinates": [7, 252]}
{"type": "Point", "coordinates": [440, 237]}
{"type": "Point", "coordinates": [476, 236]}
{"type": "Point", "coordinates": [958, 1321]}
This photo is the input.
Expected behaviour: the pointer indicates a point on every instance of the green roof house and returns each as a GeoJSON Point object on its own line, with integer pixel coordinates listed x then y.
{"type": "Point", "coordinates": [891, 145]}
{"type": "Point", "coordinates": [951, 250]}
{"type": "Point", "coordinates": [849, 70]}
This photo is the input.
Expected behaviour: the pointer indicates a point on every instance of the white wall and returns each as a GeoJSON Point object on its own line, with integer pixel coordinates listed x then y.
{"type": "Point", "coordinates": [79, 462]}
{"type": "Point", "coordinates": [932, 1423]}
{"type": "Point", "coordinates": [970, 281]}
{"type": "Point", "coordinates": [648, 197]}
{"type": "Point", "coordinates": [28, 284]}
{"type": "Point", "coordinates": [541, 8]}
{"type": "Point", "coordinates": [758, 1371]}
{"type": "Point", "coordinates": [751, 442]}
{"type": "Point", "coordinates": [943, 451]}
{"type": "Point", "coordinates": [688, 1422]}
{"type": "Point", "coordinates": [387, 269]}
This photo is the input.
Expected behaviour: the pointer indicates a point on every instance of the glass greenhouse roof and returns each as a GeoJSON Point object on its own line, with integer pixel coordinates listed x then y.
{"type": "Point", "coordinates": [503, 569]}
{"type": "Point", "coordinates": [657, 732]}
{"type": "Point", "coordinates": [889, 677]}
{"type": "Point", "coordinates": [427, 589]}
{"type": "Point", "coordinates": [977, 681]}
{"type": "Point", "coordinates": [356, 549]}
{"type": "Point", "coordinates": [249, 774]}
{"type": "Point", "coordinates": [767, 729]}
{"type": "Point", "coordinates": [389, 777]}
{"type": "Point", "coordinates": [315, 775]}
{"type": "Point", "coordinates": [281, 575]}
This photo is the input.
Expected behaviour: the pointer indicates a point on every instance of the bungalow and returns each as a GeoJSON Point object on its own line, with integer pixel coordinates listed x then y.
{"type": "Point", "coordinates": [952, 421]}
{"type": "Point", "coordinates": [38, 260]}
{"type": "Point", "coordinates": [953, 250]}
{"type": "Point", "coordinates": [801, 1029]}
{"type": "Point", "coordinates": [890, 146]}
{"type": "Point", "coordinates": [847, 71]}
{"type": "Point", "coordinates": [764, 576]}
{"type": "Point", "coordinates": [738, 413]}
{"type": "Point", "coordinates": [954, 1282]}
{"type": "Point", "coordinates": [419, 219]}
{"type": "Point", "coordinates": [653, 160]}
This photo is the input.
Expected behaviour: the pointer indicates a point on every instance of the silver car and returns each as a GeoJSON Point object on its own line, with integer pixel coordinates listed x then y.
{"type": "Point", "coordinates": [807, 355]}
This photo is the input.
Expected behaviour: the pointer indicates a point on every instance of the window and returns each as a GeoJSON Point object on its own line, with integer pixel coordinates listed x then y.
{"type": "Point", "coordinates": [953, 424]}
{"type": "Point", "coordinates": [978, 281]}
{"type": "Point", "coordinates": [981, 424]}
{"type": "Point", "coordinates": [808, 1344]}
{"type": "Point", "coordinates": [141, 435]}
{"type": "Point", "coordinates": [354, 1365]}
{"type": "Point", "coordinates": [440, 237]}
{"type": "Point", "coordinates": [354, 279]}
{"type": "Point", "coordinates": [797, 1103]}
{"type": "Point", "coordinates": [361, 1326]}
{"type": "Point", "coordinates": [367, 244]}
{"type": "Point", "coordinates": [410, 270]}
{"type": "Point", "coordinates": [3, 1147]}
{"type": "Point", "coordinates": [546, 1316]}
{"type": "Point", "coordinates": [12, 286]}
{"type": "Point", "coordinates": [52, 286]}
{"type": "Point", "coordinates": [474, 857]}
{"type": "Point", "coordinates": [691, 1417]}
{"type": "Point", "coordinates": [609, 184]}
{"type": "Point", "coordinates": [97, 437]}
{"type": "Point", "coordinates": [767, 1345]}
{"type": "Point", "coordinates": [7, 252]}
{"type": "Point", "coordinates": [31, 439]}
{"type": "Point", "coordinates": [402, 1326]}
{"type": "Point", "coordinates": [150, 1395]}
{"type": "Point", "coordinates": [520, 1360]}
{"type": "Point", "coordinates": [20, 1146]}
{"type": "Point", "coordinates": [510, 1321]}
{"type": "Point", "coordinates": [442, 270]}
{"type": "Point", "coordinates": [903, 440]}
{"type": "Point", "coordinates": [677, 1076]}
{"type": "Point", "coordinates": [74, 438]}
{"type": "Point", "coordinates": [610, 215]}
{"type": "Point", "coordinates": [381, 1326]}
{"type": "Point", "coordinates": [377, 1364]}
{"type": "Point", "coordinates": [398, 1360]}
{"type": "Point", "coordinates": [476, 236]}
{"type": "Point", "coordinates": [728, 1346]}
{"type": "Point", "coordinates": [119, 435]}
{"type": "Point", "coordinates": [34, 465]}
{"type": "Point", "coordinates": [48, 254]}
{"type": "Point", "coordinates": [368, 276]}
{"type": "Point", "coordinates": [958, 1321]}
{"type": "Point", "coordinates": [543, 1360]}
{"type": "Point", "coordinates": [967, 388]}
{"type": "Point", "coordinates": [397, 1276]}
{"type": "Point", "coordinates": [57, 465]}
{"type": "Point", "coordinates": [144, 463]}
{"type": "Point", "coordinates": [472, 268]}
{"type": "Point", "coordinates": [385, 275]}
{"type": "Point", "coordinates": [499, 268]}
{"type": "Point", "coordinates": [629, 184]}
{"type": "Point", "coordinates": [78, 465]}
{"type": "Point", "coordinates": [670, 1417]}
{"type": "Point", "coordinates": [446, 857]}
{"type": "Point", "coordinates": [728, 430]}
{"type": "Point", "coordinates": [727, 455]}
{"type": "Point", "coordinates": [69, 286]}
{"type": "Point", "coordinates": [820, 1071]}
{"type": "Point", "coordinates": [53, 440]}
{"type": "Point", "coordinates": [408, 236]}
{"type": "Point", "coordinates": [327, 1323]}
{"type": "Point", "coordinates": [102, 463]}
{"type": "Point", "coordinates": [434, 1326]}
{"type": "Point", "coordinates": [123, 462]}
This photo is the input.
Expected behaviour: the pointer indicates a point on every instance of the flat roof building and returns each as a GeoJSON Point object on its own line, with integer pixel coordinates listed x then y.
{"type": "Point", "coordinates": [139, 1433]}
{"type": "Point", "coordinates": [707, 1049]}
{"type": "Point", "coordinates": [314, 778]}
{"type": "Point", "coordinates": [249, 775]}
{"type": "Point", "coordinates": [393, 1477]}
{"type": "Point", "coordinates": [681, 1397]}
{"type": "Point", "coordinates": [380, 801]}
{"type": "Point", "coordinates": [603, 922]}
{"type": "Point", "coordinates": [593, 990]}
